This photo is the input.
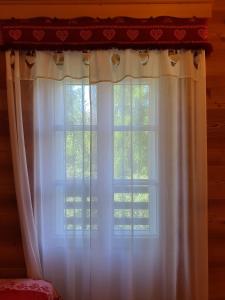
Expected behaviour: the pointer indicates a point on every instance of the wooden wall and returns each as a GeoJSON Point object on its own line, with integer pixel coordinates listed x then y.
{"type": "Point", "coordinates": [216, 152]}
{"type": "Point", "coordinates": [11, 254]}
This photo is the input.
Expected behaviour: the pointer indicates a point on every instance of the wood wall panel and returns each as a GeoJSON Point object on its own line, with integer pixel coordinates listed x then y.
{"type": "Point", "coordinates": [11, 255]}
{"type": "Point", "coordinates": [216, 152]}
{"type": "Point", "coordinates": [11, 252]}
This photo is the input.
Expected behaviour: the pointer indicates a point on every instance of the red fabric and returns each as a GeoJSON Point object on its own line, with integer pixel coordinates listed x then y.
{"type": "Point", "coordinates": [89, 33]}
{"type": "Point", "coordinates": [27, 289]}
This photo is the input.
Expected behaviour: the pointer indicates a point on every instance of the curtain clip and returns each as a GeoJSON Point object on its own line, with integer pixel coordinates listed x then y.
{"type": "Point", "coordinates": [12, 58]}
{"type": "Point", "coordinates": [30, 58]}
{"type": "Point", "coordinates": [173, 56]}
{"type": "Point", "coordinates": [196, 58]}
{"type": "Point", "coordinates": [86, 57]}
{"type": "Point", "coordinates": [59, 58]}
{"type": "Point", "coordinates": [144, 57]}
{"type": "Point", "coordinates": [115, 60]}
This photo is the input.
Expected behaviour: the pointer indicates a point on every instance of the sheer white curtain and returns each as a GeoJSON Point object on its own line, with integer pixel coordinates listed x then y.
{"type": "Point", "coordinates": [120, 173]}
{"type": "Point", "coordinates": [22, 183]}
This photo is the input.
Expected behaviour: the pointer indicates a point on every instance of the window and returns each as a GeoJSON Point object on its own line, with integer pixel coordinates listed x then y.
{"type": "Point", "coordinates": [108, 158]}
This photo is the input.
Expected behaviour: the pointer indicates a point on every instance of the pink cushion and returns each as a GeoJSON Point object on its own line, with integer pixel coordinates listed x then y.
{"type": "Point", "coordinates": [27, 289]}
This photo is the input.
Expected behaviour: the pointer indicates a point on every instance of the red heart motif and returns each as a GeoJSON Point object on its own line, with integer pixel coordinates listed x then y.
{"type": "Point", "coordinates": [203, 33]}
{"type": "Point", "coordinates": [86, 34]}
{"type": "Point", "coordinates": [15, 34]}
{"type": "Point", "coordinates": [132, 34]}
{"type": "Point", "coordinates": [109, 34]}
{"type": "Point", "coordinates": [179, 34]}
{"type": "Point", "coordinates": [156, 33]}
{"type": "Point", "coordinates": [62, 35]}
{"type": "Point", "coordinates": [38, 34]}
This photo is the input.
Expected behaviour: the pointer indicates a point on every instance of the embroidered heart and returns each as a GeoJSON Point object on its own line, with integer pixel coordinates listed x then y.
{"type": "Point", "coordinates": [62, 35]}
{"type": "Point", "coordinates": [179, 34]}
{"type": "Point", "coordinates": [85, 34]}
{"type": "Point", "coordinates": [38, 34]}
{"type": "Point", "coordinates": [15, 34]}
{"type": "Point", "coordinates": [132, 34]}
{"type": "Point", "coordinates": [109, 34]}
{"type": "Point", "coordinates": [203, 33]}
{"type": "Point", "coordinates": [156, 33]}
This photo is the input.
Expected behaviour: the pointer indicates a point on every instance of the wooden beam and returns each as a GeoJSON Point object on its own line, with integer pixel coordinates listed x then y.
{"type": "Point", "coordinates": [105, 2]}
{"type": "Point", "coordinates": [104, 10]}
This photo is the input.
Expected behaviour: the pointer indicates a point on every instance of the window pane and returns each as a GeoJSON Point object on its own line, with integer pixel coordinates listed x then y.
{"type": "Point", "coordinates": [140, 105]}
{"type": "Point", "coordinates": [122, 155]}
{"type": "Point", "coordinates": [80, 147]}
{"type": "Point", "coordinates": [122, 105]}
{"type": "Point", "coordinates": [74, 104]}
{"type": "Point", "coordinates": [80, 106]}
{"type": "Point", "coordinates": [140, 155]}
{"type": "Point", "coordinates": [135, 211]}
{"type": "Point", "coordinates": [134, 155]}
{"type": "Point", "coordinates": [78, 215]}
{"type": "Point", "coordinates": [133, 105]}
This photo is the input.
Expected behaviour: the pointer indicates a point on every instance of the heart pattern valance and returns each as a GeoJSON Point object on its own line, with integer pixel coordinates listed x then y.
{"type": "Point", "coordinates": [89, 33]}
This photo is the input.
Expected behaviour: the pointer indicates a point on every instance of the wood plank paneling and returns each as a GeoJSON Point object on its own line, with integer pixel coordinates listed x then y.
{"type": "Point", "coordinates": [11, 252]}
{"type": "Point", "coordinates": [104, 10]}
{"type": "Point", "coordinates": [178, 2]}
{"type": "Point", "coordinates": [216, 152]}
{"type": "Point", "coordinates": [11, 255]}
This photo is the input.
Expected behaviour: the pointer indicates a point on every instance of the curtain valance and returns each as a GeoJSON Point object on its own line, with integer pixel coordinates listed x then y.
{"type": "Point", "coordinates": [111, 65]}
{"type": "Point", "coordinates": [90, 33]}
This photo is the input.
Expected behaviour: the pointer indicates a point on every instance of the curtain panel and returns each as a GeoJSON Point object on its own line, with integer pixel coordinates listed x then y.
{"type": "Point", "coordinates": [120, 193]}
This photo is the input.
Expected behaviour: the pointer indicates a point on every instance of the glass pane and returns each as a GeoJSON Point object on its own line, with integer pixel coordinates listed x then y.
{"type": "Point", "coordinates": [122, 197]}
{"type": "Point", "coordinates": [134, 155]}
{"type": "Point", "coordinates": [133, 105]}
{"type": "Point", "coordinates": [122, 155]}
{"type": "Point", "coordinates": [122, 105]}
{"type": "Point", "coordinates": [122, 213]}
{"type": "Point", "coordinates": [73, 199]}
{"type": "Point", "coordinates": [80, 106]}
{"type": "Point", "coordinates": [79, 147]}
{"type": "Point", "coordinates": [141, 197]}
{"type": "Point", "coordinates": [136, 211]}
{"type": "Point", "coordinates": [77, 213]}
{"type": "Point", "coordinates": [140, 155]}
{"type": "Point", "coordinates": [74, 104]}
{"type": "Point", "coordinates": [140, 105]}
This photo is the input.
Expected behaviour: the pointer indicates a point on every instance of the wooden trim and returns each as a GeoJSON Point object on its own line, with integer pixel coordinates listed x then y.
{"type": "Point", "coordinates": [76, 2]}
{"type": "Point", "coordinates": [101, 10]}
